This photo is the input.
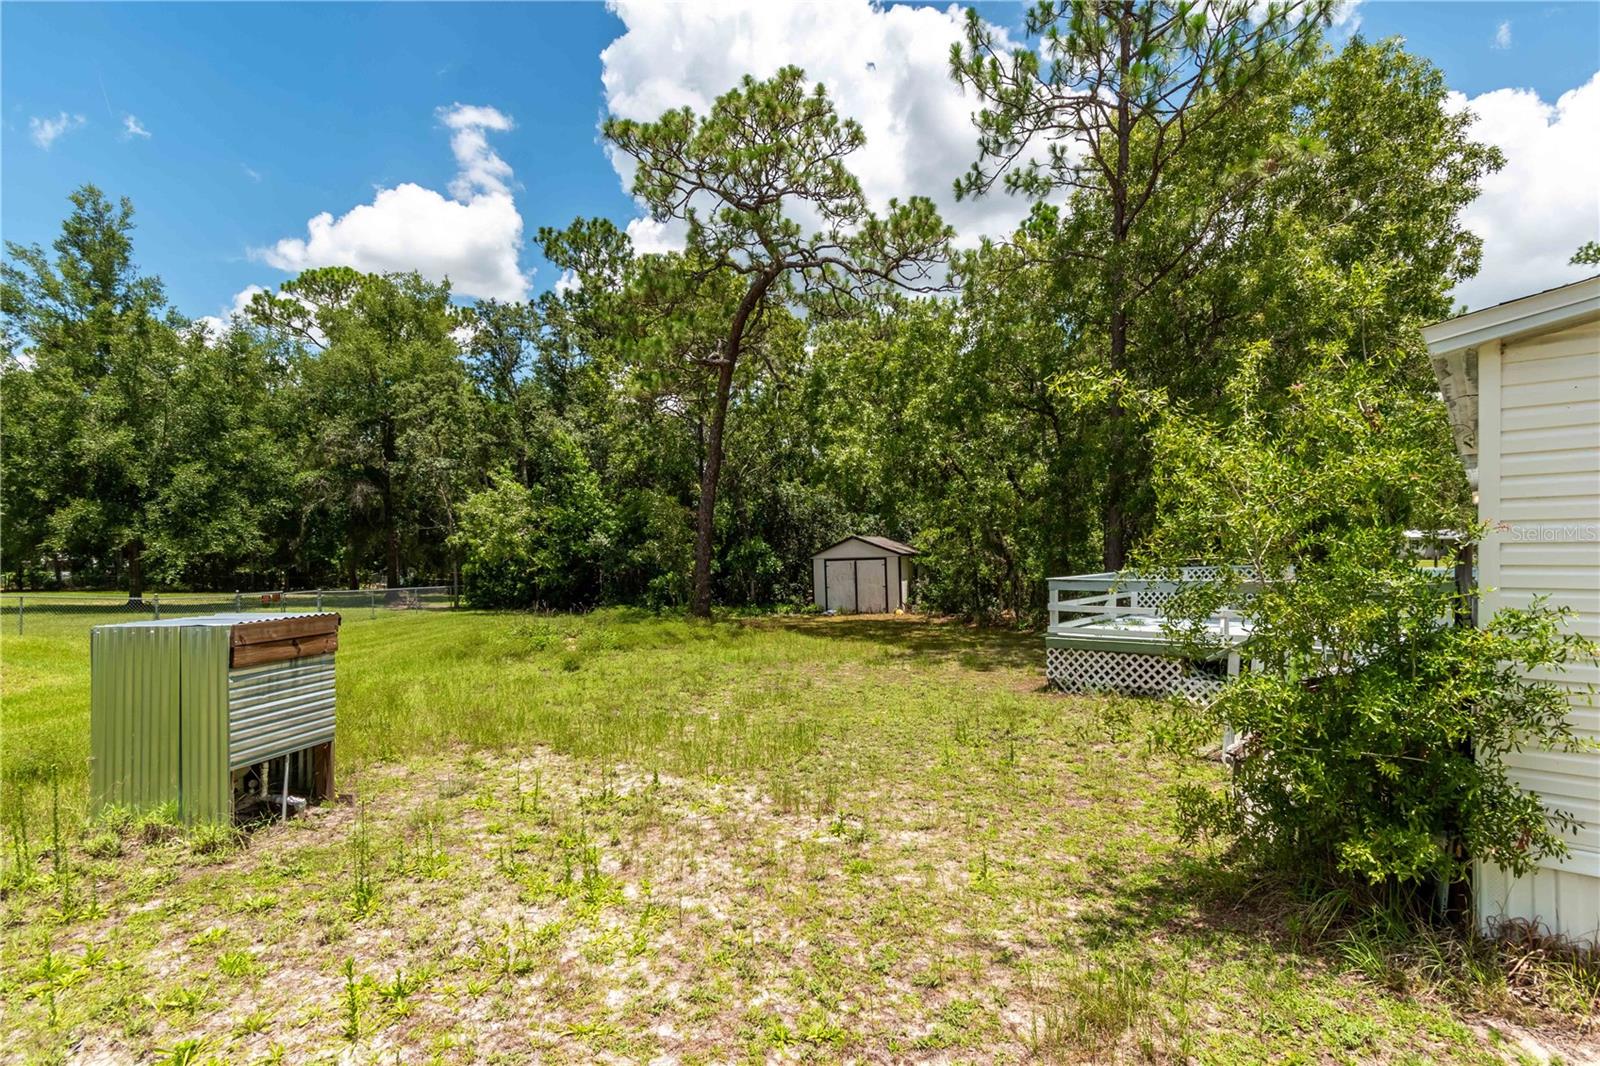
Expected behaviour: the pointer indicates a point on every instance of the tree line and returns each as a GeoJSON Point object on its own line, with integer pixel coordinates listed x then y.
{"type": "Point", "coordinates": [1214, 188]}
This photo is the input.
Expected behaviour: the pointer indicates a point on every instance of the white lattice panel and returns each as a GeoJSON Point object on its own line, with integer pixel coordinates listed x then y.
{"type": "Point", "coordinates": [1203, 572]}
{"type": "Point", "coordinates": [1128, 673]}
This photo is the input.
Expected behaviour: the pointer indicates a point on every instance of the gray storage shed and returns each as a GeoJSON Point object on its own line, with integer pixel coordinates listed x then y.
{"type": "Point", "coordinates": [863, 575]}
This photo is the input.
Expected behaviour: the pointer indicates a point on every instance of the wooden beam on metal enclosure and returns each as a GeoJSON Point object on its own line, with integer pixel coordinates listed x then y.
{"type": "Point", "coordinates": [322, 773]}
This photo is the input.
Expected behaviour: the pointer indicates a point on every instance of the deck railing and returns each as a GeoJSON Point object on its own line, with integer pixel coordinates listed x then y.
{"type": "Point", "coordinates": [1111, 632]}
{"type": "Point", "coordinates": [1082, 600]}
{"type": "Point", "coordinates": [1093, 599]}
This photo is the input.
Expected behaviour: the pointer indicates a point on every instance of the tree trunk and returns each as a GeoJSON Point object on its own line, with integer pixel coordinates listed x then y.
{"type": "Point", "coordinates": [705, 520]}
{"type": "Point", "coordinates": [391, 532]}
{"type": "Point", "coordinates": [391, 537]}
{"type": "Point", "coordinates": [1113, 518]}
{"type": "Point", "coordinates": [1113, 524]}
{"type": "Point", "coordinates": [133, 552]}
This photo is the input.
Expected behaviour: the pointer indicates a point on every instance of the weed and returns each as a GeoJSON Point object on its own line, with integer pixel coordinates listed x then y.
{"type": "Point", "coordinates": [258, 902]}
{"type": "Point", "coordinates": [214, 934]}
{"type": "Point", "coordinates": [53, 975]}
{"type": "Point", "coordinates": [980, 870]}
{"type": "Point", "coordinates": [214, 839]}
{"type": "Point", "coordinates": [1101, 1004]}
{"type": "Point", "coordinates": [185, 999]}
{"type": "Point", "coordinates": [159, 824]}
{"type": "Point", "coordinates": [237, 964]}
{"type": "Point", "coordinates": [60, 859]}
{"type": "Point", "coordinates": [957, 1024]}
{"type": "Point", "coordinates": [851, 830]}
{"type": "Point", "coordinates": [184, 1052]}
{"type": "Point", "coordinates": [103, 845]}
{"type": "Point", "coordinates": [21, 868]}
{"type": "Point", "coordinates": [363, 893]}
{"type": "Point", "coordinates": [816, 1026]}
{"type": "Point", "coordinates": [351, 1001]}
{"type": "Point", "coordinates": [396, 993]}
{"type": "Point", "coordinates": [765, 1032]}
{"type": "Point", "coordinates": [934, 975]}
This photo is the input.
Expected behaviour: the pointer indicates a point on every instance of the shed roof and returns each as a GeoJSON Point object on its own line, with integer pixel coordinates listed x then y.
{"type": "Point", "coordinates": [877, 542]}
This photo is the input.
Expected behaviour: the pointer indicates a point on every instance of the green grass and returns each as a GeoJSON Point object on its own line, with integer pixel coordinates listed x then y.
{"type": "Point", "coordinates": [624, 836]}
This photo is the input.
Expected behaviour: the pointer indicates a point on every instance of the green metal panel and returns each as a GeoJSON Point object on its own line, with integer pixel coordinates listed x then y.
{"type": "Point", "coordinates": [133, 715]}
{"type": "Point", "coordinates": [207, 788]}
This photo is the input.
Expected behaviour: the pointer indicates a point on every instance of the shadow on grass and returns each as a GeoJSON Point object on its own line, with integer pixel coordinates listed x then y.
{"type": "Point", "coordinates": [971, 647]}
{"type": "Point", "coordinates": [1191, 896]}
{"type": "Point", "coordinates": [1519, 971]}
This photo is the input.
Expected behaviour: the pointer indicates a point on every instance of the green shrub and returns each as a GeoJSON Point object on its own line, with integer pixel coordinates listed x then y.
{"type": "Point", "coordinates": [535, 547]}
{"type": "Point", "coordinates": [1376, 729]}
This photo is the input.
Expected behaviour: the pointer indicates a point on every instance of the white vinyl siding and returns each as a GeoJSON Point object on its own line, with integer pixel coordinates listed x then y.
{"type": "Point", "coordinates": [1539, 489]}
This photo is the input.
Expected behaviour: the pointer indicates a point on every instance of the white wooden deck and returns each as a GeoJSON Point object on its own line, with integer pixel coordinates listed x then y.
{"type": "Point", "coordinates": [1108, 632]}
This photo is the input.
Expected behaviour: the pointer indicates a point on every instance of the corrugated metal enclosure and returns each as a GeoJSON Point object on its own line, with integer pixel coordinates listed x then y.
{"type": "Point", "coordinates": [278, 708]}
{"type": "Point", "coordinates": [1523, 383]}
{"type": "Point", "coordinates": [196, 712]}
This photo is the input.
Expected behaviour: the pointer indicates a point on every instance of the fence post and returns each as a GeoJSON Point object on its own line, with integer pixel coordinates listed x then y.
{"type": "Point", "coordinates": [238, 602]}
{"type": "Point", "coordinates": [372, 604]}
{"type": "Point", "coordinates": [157, 599]}
{"type": "Point", "coordinates": [319, 599]}
{"type": "Point", "coordinates": [19, 616]}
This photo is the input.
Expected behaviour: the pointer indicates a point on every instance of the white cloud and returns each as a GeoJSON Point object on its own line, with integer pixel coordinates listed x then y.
{"type": "Point", "coordinates": [649, 236]}
{"type": "Point", "coordinates": [886, 67]}
{"type": "Point", "coordinates": [568, 282]}
{"type": "Point", "coordinates": [45, 131]}
{"type": "Point", "coordinates": [216, 325]}
{"type": "Point", "coordinates": [1545, 202]}
{"type": "Point", "coordinates": [1502, 35]}
{"type": "Point", "coordinates": [132, 127]}
{"type": "Point", "coordinates": [473, 237]}
{"type": "Point", "coordinates": [249, 172]}
{"type": "Point", "coordinates": [1347, 17]}
{"type": "Point", "coordinates": [481, 169]}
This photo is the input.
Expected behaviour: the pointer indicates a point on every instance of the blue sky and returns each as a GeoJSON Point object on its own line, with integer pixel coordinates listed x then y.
{"type": "Point", "coordinates": [256, 118]}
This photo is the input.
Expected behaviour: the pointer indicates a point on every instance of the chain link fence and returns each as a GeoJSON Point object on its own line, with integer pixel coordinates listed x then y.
{"type": "Point", "coordinates": [23, 613]}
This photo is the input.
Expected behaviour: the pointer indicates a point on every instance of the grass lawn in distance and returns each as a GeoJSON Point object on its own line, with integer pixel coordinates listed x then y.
{"type": "Point", "coordinates": [623, 837]}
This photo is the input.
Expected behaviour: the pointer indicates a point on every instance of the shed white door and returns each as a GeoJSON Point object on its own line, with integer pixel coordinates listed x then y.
{"type": "Point", "coordinates": [872, 586]}
{"type": "Point", "coordinates": [857, 585]}
{"type": "Point", "coordinates": [841, 584]}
